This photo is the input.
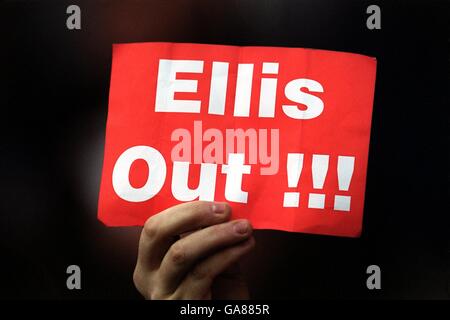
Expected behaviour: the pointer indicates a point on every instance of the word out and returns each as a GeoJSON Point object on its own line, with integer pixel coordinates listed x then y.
{"type": "Point", "coordinates": [234, 171]}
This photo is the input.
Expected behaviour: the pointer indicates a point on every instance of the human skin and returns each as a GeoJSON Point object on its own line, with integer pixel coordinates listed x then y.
{"type": "Point", "coordinates": [191, 251]}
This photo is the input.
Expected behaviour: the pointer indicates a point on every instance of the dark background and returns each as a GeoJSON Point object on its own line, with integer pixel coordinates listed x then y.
{"type": "Point", "coordinates": [54, 95]}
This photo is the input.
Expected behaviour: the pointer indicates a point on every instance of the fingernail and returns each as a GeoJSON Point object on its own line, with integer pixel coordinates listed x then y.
{"type": "Point", "coordinates": [218, 207]}
{"type": "Point", "coordinates": [241, 227]}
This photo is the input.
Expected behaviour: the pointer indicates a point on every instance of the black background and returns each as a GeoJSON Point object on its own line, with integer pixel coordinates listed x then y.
{"type": "Point", "coordinates": [54, 93]}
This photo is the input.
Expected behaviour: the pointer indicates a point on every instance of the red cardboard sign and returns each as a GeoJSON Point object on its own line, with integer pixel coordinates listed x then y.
{"type": "Point", "coordinates": [281, 134]}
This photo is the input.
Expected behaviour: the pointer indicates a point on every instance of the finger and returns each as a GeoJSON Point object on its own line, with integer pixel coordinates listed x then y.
{"type": "Point", "coordinates": [162, 229]}
{"type": "Point", "coordinates": [187, 251]}
{"type": "Point", "coordinates": [198, 282]}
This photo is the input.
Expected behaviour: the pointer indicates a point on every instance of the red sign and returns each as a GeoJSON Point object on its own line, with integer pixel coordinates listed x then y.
{"type": "Point", "coordinates": [281, 134]}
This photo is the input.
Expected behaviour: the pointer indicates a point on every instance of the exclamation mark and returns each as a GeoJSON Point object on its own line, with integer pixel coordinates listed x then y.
{"type": "Point", "coordinates": [294, 169]}
{"type": "Point", "coordinates": [345, 172]}
{"type": "Point", "coordinates": [319, 173]}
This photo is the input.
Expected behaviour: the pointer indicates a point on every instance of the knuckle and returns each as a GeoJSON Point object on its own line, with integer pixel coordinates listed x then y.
{"type": "Point", "coordinates": [177, 253]}
{"type": "Point", "coordinates": [151, 227]}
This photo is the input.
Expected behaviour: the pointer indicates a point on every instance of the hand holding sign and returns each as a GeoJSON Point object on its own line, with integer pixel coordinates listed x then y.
{"type": "Point", "coordinates": [281, 134]}
{"type": "Point", "coordinates": [191, 267]}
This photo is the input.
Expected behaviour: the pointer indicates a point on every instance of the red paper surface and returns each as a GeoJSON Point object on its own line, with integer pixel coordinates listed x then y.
{"type": "Point", "coordinates": [340, 132]}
